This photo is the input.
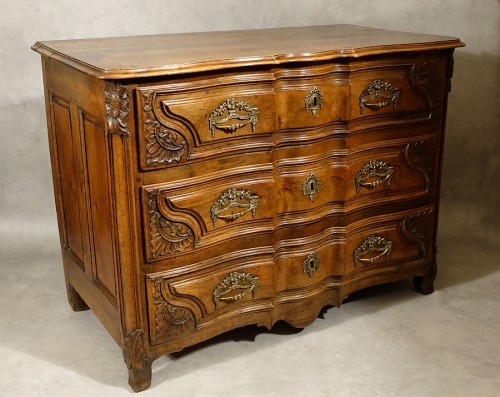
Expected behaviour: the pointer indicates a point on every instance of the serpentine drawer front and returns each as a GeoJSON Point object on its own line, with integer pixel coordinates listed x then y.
{"type": "Point", "coordinates": [205, 182]}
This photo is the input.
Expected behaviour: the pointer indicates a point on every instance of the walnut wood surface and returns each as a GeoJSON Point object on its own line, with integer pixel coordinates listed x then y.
{"type": "Point", "coordinates": [158, 55]}
{"type": "Point", "coordinates": [190, 204]}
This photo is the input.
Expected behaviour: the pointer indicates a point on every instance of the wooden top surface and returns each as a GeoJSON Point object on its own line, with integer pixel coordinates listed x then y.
{"type": "Point", "coordinates": [141, 56]}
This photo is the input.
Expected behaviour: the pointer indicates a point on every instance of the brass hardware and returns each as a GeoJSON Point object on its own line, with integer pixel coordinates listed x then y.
{"type": "Point", "coordinates": [310, 264]}
{"type": "Point", "coordinates": [314, 100]}
{"type": "Point", "coordinates": [310, 187]}
{"type": "Point", "coordinates": [236, 110]}
{"type": "Point", "coordinates": [379, 94]}
{"type": "Point", "coordinates": [232, 199]}
{"type": "Point", "coordinates": [235, 281]}
{"type": "Point", "coordinates": [374, 169]}
{"type": "Point", "coordinates": [372, 244]}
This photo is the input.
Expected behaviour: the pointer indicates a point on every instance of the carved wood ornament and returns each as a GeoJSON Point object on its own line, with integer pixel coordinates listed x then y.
{"type": "Point", "coordinates": [117, 109]}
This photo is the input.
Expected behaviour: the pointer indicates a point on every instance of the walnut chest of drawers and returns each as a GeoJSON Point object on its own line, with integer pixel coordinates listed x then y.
{"type": "Point", "coordinates": [208, 181]}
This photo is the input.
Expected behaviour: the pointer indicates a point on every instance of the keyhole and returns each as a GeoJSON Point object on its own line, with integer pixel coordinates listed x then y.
{"type": "Point", "coordinates": [312, 186]}
{"type": "Point", "coordinates": [311, 265]}
{"type": "Point", "coordinates": [315, 101]}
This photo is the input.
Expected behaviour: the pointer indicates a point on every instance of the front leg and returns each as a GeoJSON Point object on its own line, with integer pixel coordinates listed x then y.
{"type": "Point", "coordinates": [139, 366]}
{"type": "Point", "coordinates": [425, 284]}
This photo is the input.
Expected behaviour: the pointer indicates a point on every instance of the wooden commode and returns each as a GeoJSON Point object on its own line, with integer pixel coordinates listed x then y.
{"type": "Point", "coordinates": [207, 181]}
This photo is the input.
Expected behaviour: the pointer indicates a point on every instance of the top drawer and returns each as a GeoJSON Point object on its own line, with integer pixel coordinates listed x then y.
{"type": "Point", "coordinates": [198, 118]}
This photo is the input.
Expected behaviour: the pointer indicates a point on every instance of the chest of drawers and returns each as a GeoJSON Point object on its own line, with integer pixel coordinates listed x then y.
{"type": "Point", "coordinates": [208, 181]}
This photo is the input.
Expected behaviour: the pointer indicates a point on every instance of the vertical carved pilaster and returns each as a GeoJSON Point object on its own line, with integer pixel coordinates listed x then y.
{"type": "Point", "coordinates": [139, 366]}
{"type": "Point", "coordinates": [117, 108]}
{"type": "Point", "coordinates": [449, 72]}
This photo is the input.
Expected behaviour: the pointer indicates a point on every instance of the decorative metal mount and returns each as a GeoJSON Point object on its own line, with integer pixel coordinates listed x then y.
{"type": "Point", "coordinates": [379, 94]}
{"type": "Point", "coordinates": [233, 198]}
{"type": "Point", "coordinates": [163, 145]}
{"type": "Point", "coordinates": [310, 264]}
{"type": "Point", "coordinates": [231, 110]}
{"type": "Point", "coordinates": [314, 100]}
{"type": "Point", "coordinates": [373, 169]}
{"type": "Point", "coordinates": [310, 187]}
{"type": "Point", "coordinates": [117, 108]}
{"type": "Point", "coordinates": [235, 281]}
{"type": "Point", "coordinates": [372, 244]}
{"type": "Point", "coordinates": [167, 236]}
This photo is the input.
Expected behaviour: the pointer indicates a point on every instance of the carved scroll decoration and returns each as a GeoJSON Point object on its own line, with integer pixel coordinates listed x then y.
{"type": "Point", "coordinates": [117, 108]}
{"type": "Point", "coordinates": [231, 110]}
{"type": "Point", "coordinates": [428, 78]}
{"type": "Point", "coordinates": [233, 198]}
{"type": "Point", "coordinates": [314, 100]}
{"type": "Point", "coordinates": [379, 94]}
{"type": "Point", "coordinates": [170, 321]}
{"type": "Point", "coordinates": [372, 244]}
{"type": "Point", "coordinates": [373, 169]}
{"type": "Point", "coordinates": [310, 187]}
{"type": "Point", "coordinates": [418, 228]}
{"type": "Point", "coordinates": [163, 145]}
{"type": "Point", "coordinates": [133, 351]}
{"type": "Point", "coordinates": [235, 281]}
{"type": "Point", "coordinates": [421, 156]}
{"type": "Point", "coordinates": [167, 237]}
{"type": "Point", "coordinates": [311, 264]}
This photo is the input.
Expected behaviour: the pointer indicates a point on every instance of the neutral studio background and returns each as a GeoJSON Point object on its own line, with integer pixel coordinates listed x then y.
{"type": "Point", "coordinates": [471, 174]}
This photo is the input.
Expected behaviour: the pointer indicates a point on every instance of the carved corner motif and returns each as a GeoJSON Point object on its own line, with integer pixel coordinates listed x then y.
{"type": "Point", "coordinates": [167, 237]}
{"type": "Point", "coordinates": [134, 353]}
{"type": "Point", "coordinates": [428, 78]}
{"type": "Point", "coordinates": [379, 94]}
{"type": "Point", "coordinates": [421, 157]}
{"type": "Point", "coordinates": [163, 145]}
{"type": "Point", "coordinates": [117, 109]}
{"type": "Point", "coordinates": [417, 228]}
{"type": "Point", "coordinates": [170, 321]}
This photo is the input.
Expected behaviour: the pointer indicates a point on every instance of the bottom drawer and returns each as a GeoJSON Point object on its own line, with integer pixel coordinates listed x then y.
{"type": "Point", "coordinates": [179, 305]}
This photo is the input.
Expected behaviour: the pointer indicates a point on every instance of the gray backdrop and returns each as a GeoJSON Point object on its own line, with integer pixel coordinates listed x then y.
{"type": "Point", "coordinates": [471, 184]}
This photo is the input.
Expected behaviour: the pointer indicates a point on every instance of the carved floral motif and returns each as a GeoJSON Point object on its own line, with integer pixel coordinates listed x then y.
{"type": "Point", "coordinates": [428, 78]}
{"type": "Point", "coordinates": [117, 109]}
{"type": "Point", "coordinates": [133, 351]}
{"type": "Point", "coordinates": [167, 236]}
{"type": "Point", "coordinates": [170, 321]}
{"type": "Point", "coordinates": [421, 156]}
{"type": "Point", "coordinates": [418, 228]}
{"type": "Point", "coordinates": [163, 145]}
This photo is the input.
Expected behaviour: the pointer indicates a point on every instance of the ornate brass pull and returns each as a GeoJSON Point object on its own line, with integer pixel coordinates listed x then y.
{"type": "Point", "coordinates": [310, 264]}
{"type": "Point", "coordinates": [233, 198]}
{"type": "Point", "coordinates": [233, 282]}
{"type": "Point", "coordinates": [373, 169]}
{"type": "Point", "coordinates": [314, 100]}
{"type": "Point", "coordinates": [372, 244]}
{"type": "Point", "coordinates": [379, 94]}
{"type": "Point", "coordinates": [310, 187]}
{"type": "Point", "coordinates": [231, 110]}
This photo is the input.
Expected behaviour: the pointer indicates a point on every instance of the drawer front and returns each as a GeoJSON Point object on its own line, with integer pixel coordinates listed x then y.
{"type": "Point", "coordinates": [399, 171]}
{"type": "Point", "coordinates": [397, 91]}
{"type": "Point", "coordinates": [195, 213]}
{"type": "Point", "coordinates": [179, 305]}
{"type": "Point", "coordinates": [390, 245]}
{"type": "Point", "coordinates": [191, 119]}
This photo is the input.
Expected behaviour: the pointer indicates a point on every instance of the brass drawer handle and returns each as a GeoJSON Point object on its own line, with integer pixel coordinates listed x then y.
{"type": "Point", "coordinates": [233, 198]}
{"type": "Point", "coordinates": [379, 94]}
{"type": "Point", "coordinates": [372, 244]}
{"type": "Point", "coordinates": [314, 100]}
{"type": "Point", "coordinates": [223, 118]}
{"type": "Point", "coordinates": [310, 187]}
{"type": "Point", "coordinates": [235, 281]}
{"type": "Point", "coordinates": [374, 169]}
{"type": "Point", "coordinates": [311, 264]}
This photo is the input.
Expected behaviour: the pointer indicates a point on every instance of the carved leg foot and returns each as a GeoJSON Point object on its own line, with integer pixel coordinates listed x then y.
{"type": "Point", "coordinates": [75, 300]}
{"type": "Point", "coordinates": [425, 284]}
{"type": "Point", "coordinates": [139, 366]}
{"type": "Point", "coordinates": [140, 380]}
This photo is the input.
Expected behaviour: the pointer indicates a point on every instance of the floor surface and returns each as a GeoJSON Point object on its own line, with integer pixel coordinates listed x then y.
{"type": "Point", "coordinates": [384, 341]}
